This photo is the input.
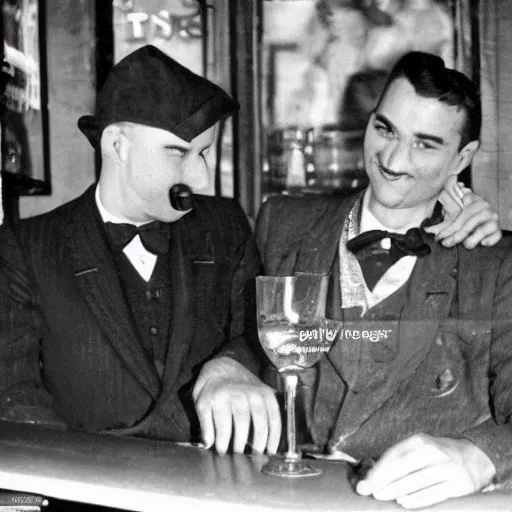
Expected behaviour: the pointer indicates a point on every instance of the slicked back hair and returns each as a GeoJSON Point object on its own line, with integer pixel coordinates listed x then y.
{"type": "Point", "coordinates": [430, 78]}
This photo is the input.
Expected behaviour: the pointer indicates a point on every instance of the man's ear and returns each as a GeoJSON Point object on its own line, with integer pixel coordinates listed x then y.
{"type": "Point", "coordinates": [114, 143]}
{"type": "Point", "coordinates": [466, 155]}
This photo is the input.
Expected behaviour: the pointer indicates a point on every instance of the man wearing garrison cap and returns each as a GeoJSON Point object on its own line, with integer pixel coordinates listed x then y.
{"type": "Point", "coordinates": [118, 298]}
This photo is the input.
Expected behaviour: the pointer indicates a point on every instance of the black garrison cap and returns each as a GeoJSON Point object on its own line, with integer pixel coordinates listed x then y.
{"type": "Point", "coordinates": [150, 88]}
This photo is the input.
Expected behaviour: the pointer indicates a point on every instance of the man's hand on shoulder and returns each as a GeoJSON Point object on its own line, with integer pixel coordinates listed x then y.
{"type": "Point", "coordinates": [229, 399]}
{"type": "Point", "coordinates": [423, 470]}
{"type": "Point", "coordinates": [475, 223]}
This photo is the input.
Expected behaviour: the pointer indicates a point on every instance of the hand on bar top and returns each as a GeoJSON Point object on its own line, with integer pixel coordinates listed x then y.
{"type": "Point", "coordinates": [228, 398]}
{"type": "Point", "coordinates": [423, 470]}
{"type": "Point", "coordinates": [467, 218]}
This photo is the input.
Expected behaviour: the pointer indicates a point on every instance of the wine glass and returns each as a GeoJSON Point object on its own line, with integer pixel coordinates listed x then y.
{"type": "Point", "coordinates": [294, 334]}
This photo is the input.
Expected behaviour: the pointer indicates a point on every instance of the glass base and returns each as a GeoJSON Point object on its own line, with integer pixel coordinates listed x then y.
{"type": "Point", "coordinates": [291, 468]}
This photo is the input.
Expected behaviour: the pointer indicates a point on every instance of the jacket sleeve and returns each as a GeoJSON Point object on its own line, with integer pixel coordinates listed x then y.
{"type": "Point", "coordinates": [242, 344]}
{"type": "Point", "coordinates": [494, 436]}
{"type": "Point", "coordinates": [23, 396]}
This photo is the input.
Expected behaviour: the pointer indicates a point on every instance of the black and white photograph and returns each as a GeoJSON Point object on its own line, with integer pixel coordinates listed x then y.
{"type": "Point", "coordinates": [256, 255]}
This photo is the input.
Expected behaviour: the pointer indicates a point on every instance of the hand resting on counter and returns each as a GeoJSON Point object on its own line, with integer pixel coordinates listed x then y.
{"type": "Point", "coordinates": [423, 470]}
{"type": "Point", "coordinates": [229, 399]}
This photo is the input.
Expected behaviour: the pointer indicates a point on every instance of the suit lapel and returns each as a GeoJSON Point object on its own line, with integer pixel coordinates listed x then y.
{"type": "Point", "coordinates": [183, 290]}
{"type": "Point", "coordinates": [432, 287]}
{"type": "Point", "coordinates": [319, 245]}
{"type": "Point", "coordinates": [98, 281]}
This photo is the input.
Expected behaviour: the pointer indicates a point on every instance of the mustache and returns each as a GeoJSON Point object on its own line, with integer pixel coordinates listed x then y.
{"type": "Point", "coordinates": [181, 197]}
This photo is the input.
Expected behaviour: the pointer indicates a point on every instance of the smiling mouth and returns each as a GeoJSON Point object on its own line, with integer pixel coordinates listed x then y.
{"type": "Point", "coordinates": [391, 175]}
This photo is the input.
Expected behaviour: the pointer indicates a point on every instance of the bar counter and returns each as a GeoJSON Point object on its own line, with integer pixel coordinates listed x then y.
{"type": "Point", "coordinates": [144, 475]}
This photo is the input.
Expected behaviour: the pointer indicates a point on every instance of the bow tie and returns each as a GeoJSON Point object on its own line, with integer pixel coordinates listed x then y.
{"type": "Point", "coordinates": [411, 243]}
{"type": "Point", "coordinates": [154, 235]}
{"type": "Point", "coordinates": [374, 260]}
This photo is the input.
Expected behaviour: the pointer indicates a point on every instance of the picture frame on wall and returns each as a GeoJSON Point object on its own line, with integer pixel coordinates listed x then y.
{"type": "Point", "coordinates": [24, 105]}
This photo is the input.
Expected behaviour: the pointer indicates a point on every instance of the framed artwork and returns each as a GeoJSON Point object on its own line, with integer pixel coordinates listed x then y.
{"type": "Point", "coordinates": [23, 107]}
{"type": "Point", "coordinates": [335, 57]}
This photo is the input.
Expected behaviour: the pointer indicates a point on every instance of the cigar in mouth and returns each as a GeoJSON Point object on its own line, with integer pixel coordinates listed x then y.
{"type": "Point", "coordinates": [181, 197]}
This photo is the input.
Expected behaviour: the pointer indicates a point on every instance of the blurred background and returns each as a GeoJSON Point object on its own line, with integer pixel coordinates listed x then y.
{"type": "Point", "coordinates": [307, 74]}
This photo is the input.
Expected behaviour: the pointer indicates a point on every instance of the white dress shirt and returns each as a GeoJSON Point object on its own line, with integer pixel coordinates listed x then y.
{"type": "Point", "coordinates": [398, 274]}
{"type": "Point", "coordinates": [143, 260]}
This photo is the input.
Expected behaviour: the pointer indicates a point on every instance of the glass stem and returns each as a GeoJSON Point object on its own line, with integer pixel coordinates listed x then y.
{"type": "Point", "coordinates": [290, 386]}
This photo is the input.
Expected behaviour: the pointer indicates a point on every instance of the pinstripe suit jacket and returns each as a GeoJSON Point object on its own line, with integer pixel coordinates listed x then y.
{"type": "Point", "coordinates": [69, 349]}
{"type": "Point", "coordinates": [453, 373]}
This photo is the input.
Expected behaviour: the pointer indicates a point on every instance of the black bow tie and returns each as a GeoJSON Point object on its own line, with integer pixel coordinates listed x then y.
{"type": "Point", "coordinates": [411, 243]}
{"type": "Point", "coordinates": [374, 260]}
{"type": "Point", "coordinates": [154, 235]}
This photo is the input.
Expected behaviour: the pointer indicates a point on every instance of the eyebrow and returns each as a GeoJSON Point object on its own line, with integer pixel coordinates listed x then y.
{"type": "Point", "coordinates": [422, 136]}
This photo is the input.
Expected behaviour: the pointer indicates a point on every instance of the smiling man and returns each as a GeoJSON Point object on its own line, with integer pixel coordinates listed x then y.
{"type": "Point", "coordinates": [419, 400]}
{"type": "Point", "coordinates": [415, 142]}
{"type": "Point", "coordinates": [432, 399]}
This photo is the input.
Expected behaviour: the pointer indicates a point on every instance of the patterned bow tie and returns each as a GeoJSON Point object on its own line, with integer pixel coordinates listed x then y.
{"type": "Point", "coordinates": [154, 235]}
{"type": "Point", "coordinates": [374, 259]}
